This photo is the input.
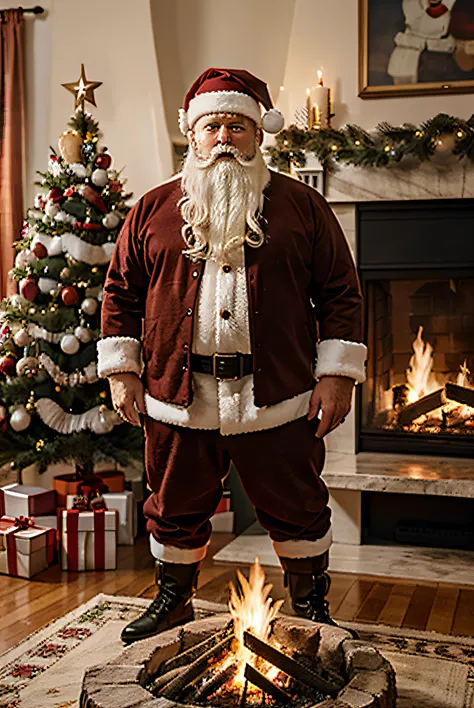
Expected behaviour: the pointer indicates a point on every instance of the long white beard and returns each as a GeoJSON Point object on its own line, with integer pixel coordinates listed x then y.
{"type": "Point", "coordinates": [222, 199]}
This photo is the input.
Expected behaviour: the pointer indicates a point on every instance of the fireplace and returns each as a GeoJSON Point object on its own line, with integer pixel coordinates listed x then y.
{"type": "Point", "coordinates": [416, 262]}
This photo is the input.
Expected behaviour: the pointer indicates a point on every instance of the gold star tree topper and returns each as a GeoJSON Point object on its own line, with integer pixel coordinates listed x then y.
{"type": "Point", "coordinates": [83, 89]}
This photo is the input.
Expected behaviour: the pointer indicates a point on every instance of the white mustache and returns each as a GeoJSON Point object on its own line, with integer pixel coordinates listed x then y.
{"type": "Point", "coordinates": [220, 150]}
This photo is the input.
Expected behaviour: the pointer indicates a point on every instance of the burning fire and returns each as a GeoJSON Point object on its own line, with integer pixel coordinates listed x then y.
{"type": "Point", "coordinates": [252, 609]}
{"type": "Point", "coordinates": [420, 379]}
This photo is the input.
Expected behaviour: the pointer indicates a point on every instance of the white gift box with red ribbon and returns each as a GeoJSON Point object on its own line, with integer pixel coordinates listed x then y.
{"type": "Point", "coordinates": [126, 506]}
{"type": "Point", "coordinates": [21, 500]}
{"type": "Point", "coordinates": [89, 540]}
{"type": "Point", "coordinates": [25, 552]}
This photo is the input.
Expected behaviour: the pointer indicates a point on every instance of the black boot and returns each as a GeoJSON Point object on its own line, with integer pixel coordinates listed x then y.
{"type": "Point", "coordinates": [172, 606]}
{"type": "Point", "coordinates": [308, 597]}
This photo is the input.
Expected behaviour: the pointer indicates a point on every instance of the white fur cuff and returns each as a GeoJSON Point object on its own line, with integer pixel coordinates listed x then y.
{"type": "Point", "coordinates": [336, 357]}
{"type": "Point", "coordinates": [171, 554]}
{"type": "Point", "coordinates": [119, 355]}
{"type": "Point", "coordinates": [303, 549]}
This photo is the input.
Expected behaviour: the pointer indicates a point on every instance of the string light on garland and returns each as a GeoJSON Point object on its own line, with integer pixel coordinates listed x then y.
{"type": "Point", "coordinates": [444, 139]}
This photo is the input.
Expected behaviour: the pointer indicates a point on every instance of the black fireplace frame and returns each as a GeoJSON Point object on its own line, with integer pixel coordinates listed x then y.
{"type": "Point", "coordinates": [420, 239]}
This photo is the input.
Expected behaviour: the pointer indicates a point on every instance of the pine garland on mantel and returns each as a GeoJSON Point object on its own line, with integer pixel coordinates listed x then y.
{"type": "Point", "coordinates": [443, 138]}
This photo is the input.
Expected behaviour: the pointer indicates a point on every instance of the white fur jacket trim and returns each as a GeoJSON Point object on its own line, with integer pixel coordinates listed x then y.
{"type": "Point", "coordinates": [295, 548]}
{"type": "Point", "coordinates": [119, 355]}
{"type": "Point", "coordinates": [336, 357]}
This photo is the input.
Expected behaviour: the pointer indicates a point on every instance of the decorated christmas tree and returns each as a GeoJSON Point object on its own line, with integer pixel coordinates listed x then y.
{"type": "Point", "coordinates": [53, 407]}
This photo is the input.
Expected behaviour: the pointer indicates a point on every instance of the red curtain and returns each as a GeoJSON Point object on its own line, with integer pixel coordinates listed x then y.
{"type": "Point", "coordinates": [12, 132]}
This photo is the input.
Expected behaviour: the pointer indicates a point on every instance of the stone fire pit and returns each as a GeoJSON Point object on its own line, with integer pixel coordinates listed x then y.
{"type": "Point", "coordinates": [367, 679]}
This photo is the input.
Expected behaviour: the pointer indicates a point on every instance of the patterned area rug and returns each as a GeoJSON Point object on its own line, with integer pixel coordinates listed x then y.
{"type": "Point", "coordinates": [46, 669]}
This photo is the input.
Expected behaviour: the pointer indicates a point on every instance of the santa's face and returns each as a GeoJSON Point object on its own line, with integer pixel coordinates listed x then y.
{"type": "Point", "coordinates": [221, 129]}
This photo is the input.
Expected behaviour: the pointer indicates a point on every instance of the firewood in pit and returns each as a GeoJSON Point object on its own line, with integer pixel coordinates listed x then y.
{"type": "Point", "coordinates": [194, 652]}
{"type": "Point", "coordinates": [195, 670]}
{"type": "Point", "coordinates": [293, 668]}
{"type": "Point", "coordinates": [161, 681]}
{"type": "Point", "coordinates": [265, 685]}
{"type": "Point", "coordinates": [424, 405]}
{"type": "Point", "coordinates": [460, 394]}
{"type": "Point", "coordinates": [218, 680]}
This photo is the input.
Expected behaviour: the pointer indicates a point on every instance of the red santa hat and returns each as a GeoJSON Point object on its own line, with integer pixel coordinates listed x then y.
{"type": "Point", "coordinates": [230, 91]}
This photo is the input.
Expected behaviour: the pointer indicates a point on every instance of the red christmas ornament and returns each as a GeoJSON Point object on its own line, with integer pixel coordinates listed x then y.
{"type": "Point", "coordinates": [90, 226]}
{"type": "Point", "coordinates": [69, 192]}
{"type": "Point", "coordinates": [53, 158]}
{"type": "Point", "coordinates": [39, 250]}
{"type": "Point", "coordinates": [7, 365]}
{"type": "Point", "coordinates": [4, 330]}
{"type": "Point", "coordinates": [69, 295]}
{"type": "Point", "coordinates": [103, 161]}
{"type": "Point", "coordinates": [28, 289]}
{"type": "Point", "coordinates": [93, 197]}
{"type": "Point", "coordinates": [55, 194]}
{"type": "Point", "coordinates": [115, 186]}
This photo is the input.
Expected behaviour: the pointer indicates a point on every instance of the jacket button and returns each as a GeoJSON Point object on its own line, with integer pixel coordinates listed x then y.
{"type": "Point", "coordinates": [226, 268]}
{"type": "Point", "coordinates": [225, 314]}
{"type": "Point", "coordinates": [185, 346]}
{"type": "Point", "coordinates": [195, 273]}
{"type": "Point", "coordinates": [189, 312]}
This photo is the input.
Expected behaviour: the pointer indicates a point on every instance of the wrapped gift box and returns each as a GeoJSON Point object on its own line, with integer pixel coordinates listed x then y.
{"type": "Point", "coordinates": [89, 540]}
{"type": "Point", "coordinates": [25, 553]}
{"type": "Point", "coordinates": [65, 484]}
{"type": "Point", "coordinates": [126, 506]}
{"type": "Point", "coordinates": [20, 500]}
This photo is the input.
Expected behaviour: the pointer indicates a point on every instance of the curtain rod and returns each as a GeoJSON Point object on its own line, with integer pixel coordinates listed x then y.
{"type": "Point", "coordinates": [38, 10]}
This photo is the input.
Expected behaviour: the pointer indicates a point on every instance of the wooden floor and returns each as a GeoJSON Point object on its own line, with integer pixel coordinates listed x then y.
{"type": "Point", "coordinates": [27, 605]}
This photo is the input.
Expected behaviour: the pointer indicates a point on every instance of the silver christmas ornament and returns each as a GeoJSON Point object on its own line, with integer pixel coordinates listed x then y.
{"type": "Point", "coordinates": [22, 338]}
{"type": "Point", "coordinates": [99, 178]}
{"type": "Point", "coordinates": [89, 306]}
{"type": "Point", "coordinates": [20, 419]}
{"type": "Point", "coordinates": [70, 344]}
{"type": "Point", "coordinates": [83, 334]}
{"type": "Point", "coordinates": [78, 169]}
{"type": "Point", "coordinates": [47, 284]}
{"type": "Point", "coordinates": [111, 220]}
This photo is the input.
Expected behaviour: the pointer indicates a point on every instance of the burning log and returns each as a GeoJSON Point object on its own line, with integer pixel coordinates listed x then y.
{"type": "Point", "coordinates": [293, 668]}
{"type": "Point", "coordinates": [265, 685]}
{"type": "Point", "coordinates": [195, 670]}
{"type": "Point", "coordinates": [194, 652]}
{"type": "Point", "coordinates": [424, 405]}
{"type": "Point", "coordinates": [218, 680]}
{"type": "Point", "coordinates": [161, 681]}
{"type": "Point", "coordinates": [460, 394]}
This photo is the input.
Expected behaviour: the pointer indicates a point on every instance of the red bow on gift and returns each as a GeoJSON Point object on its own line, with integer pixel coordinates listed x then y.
{"type": "Point", "coordinates": [90, 503]}
{"type": "Point", "coordinates": [23, 523]}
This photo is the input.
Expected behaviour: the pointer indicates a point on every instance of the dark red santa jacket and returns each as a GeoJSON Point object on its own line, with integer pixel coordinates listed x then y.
{"type": "Point", "coordinates": [302, 286]}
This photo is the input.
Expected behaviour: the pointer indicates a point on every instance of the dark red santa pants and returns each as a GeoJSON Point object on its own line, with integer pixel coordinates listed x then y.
{"type": "Point", "coordinates": [279, 469]}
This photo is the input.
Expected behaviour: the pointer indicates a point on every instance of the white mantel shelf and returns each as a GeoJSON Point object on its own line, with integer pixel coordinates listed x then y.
{"type": "Point", "coordinates": [400, 474]}
{"type": "Point", "coordinates": [350, 184]}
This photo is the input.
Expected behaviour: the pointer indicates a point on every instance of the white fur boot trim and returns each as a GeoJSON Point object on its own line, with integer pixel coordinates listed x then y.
{"type": "Point", "coordinates": [171, 554]}
{"type": "Point", "coordinates": [303, 549]}
{"type": "Point", "coordinates": [119, 355]}
{"type": "Point", "coordinates": [336, 357]}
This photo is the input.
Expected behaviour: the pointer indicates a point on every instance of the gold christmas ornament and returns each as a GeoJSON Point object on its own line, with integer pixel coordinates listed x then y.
{"type": "Point", "coordinates": [70, 146]}
{"type": "Point", "coordinates": [83, 90]}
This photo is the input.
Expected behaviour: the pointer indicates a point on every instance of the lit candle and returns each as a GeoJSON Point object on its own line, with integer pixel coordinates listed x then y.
{"type": "Point", "coordinates": [308, 108]}
{"type": "Point", "coordinates": [320, 104]}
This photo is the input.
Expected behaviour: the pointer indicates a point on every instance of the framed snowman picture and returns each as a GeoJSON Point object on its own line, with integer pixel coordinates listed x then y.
{"type": "Point", "coordinates": [415, 47]}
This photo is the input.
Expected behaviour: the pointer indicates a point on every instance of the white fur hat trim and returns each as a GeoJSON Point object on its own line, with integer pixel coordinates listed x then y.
{"type": "Point", "coordinates": [220, 102]}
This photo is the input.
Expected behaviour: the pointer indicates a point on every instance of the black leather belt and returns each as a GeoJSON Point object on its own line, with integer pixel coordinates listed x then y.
{"type": "Point", "coordinates": [224, 367]}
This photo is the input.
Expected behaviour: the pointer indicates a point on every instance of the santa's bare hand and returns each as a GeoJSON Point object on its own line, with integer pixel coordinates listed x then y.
{"type": "Point", "coordinates": [127, 390]}
{"type": "Point", "coordinates": [333, 395]}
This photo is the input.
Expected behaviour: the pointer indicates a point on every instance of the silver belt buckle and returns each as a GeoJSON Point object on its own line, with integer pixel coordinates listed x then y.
{"type": "Point", "coordinates": [215, 357]}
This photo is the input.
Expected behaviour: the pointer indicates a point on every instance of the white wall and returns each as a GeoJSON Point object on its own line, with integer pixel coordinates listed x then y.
{"type": "Point", "coordinates": [325, 36]}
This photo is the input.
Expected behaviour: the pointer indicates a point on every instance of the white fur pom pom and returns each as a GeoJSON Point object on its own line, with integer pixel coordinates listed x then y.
{"type": "Point", "coordinates": [183, 121]}
{"type": "Point", "coordinates": [272, 121]}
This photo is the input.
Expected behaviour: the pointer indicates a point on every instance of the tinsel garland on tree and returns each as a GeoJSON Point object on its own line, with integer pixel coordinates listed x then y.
{"type": "Point", "coordinates": [384, 146]}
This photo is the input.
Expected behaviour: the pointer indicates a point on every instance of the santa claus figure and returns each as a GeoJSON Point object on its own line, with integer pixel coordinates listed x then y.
{"type": "Point", "coordinates": [232, 325]}
{"type": "Point", "coordinates": [426, 28]}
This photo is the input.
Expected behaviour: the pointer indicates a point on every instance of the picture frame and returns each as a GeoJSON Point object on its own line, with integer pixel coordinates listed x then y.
{"type": "Point", "coordinates": [415, 47]}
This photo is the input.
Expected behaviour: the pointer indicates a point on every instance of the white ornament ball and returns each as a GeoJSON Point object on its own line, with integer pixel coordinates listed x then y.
{"type": "Point", "coordinates": [21, 259]}
{"type": "Point", "coordinates": [22, 338]}
{"type": "Point", "coordinates": [51, 209]}
{"type": "Point", "coordinates": [46, 219]}
{"type": "Point", "coordinates": [83, 334]}
{"type": "Point", "coordinates": [38, 200]}
{"type": "Point", "coordinates": [273, 121]}
{"type": "Point", "coordinates": [55, 246]}
{"type": "Point", "coordinates": [61, 216]}
{"type": "Point", "coordinates": [70, 344]}
{"type": "Point", "coordinates": [17, 302]}
{"type": "Point", "coordinates": [79, 169]}
{"type": "Point", "coordinates": [89, 306]}
{"type": "Point", "coordinates": [20, 419]}
{"type": "Point", "coordinates": [35, 213]}
{"type": "Point", "coordinates": [47, 284]}
{"type": "Point", "coordinates": [111, 220]}
{"type": "Point", "coordinates": [99, 178]}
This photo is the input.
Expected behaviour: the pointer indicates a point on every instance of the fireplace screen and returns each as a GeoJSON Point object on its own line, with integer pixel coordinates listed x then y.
{"type": "Point", "coordinates": [420, 382]}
